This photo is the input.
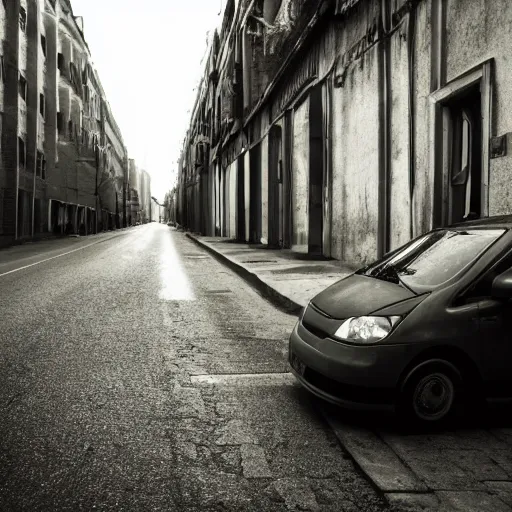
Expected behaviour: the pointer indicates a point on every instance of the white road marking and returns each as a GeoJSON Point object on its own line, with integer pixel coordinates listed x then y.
{"type": "Point", "coordinates": [248, 379]}
{"type": "Point", "coordinates": [53, 257]}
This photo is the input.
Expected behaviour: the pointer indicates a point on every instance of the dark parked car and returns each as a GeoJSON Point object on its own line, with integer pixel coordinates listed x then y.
{"type": "Point", "coordinates": [421, 331]}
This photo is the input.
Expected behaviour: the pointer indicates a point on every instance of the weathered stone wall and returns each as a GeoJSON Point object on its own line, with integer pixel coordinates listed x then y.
{"type": "Point", "coordinates": [300, 177]}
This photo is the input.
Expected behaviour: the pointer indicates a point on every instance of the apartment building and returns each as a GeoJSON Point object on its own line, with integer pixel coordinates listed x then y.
{"type": "Point", "coordinates": [63, 160]}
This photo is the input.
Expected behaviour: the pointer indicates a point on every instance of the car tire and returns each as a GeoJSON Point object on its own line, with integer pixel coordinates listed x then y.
{"type": "Point", "coordinates": [431, 395]}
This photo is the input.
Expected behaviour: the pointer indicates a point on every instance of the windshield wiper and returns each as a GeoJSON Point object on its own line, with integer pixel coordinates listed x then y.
{"type": "Point", "coordinates": [391, 274]}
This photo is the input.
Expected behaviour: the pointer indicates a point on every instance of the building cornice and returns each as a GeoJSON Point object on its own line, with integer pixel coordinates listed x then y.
{"type": "Point", "coordinates": [321, 10]}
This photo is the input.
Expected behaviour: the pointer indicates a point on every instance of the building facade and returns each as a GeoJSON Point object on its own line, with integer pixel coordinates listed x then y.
{"type": "Point", "coordinates": [139, 195]}
{"type": "Point", "coordinates": [343, 128]}
{"type": "Point", "coordinates": [145, 196]}
{"type": "Point", "coordinates": [63, 163]}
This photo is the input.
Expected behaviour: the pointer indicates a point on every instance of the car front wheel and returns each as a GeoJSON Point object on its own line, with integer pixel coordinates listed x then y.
{"type": "Point", "coordinates": [431, 394]}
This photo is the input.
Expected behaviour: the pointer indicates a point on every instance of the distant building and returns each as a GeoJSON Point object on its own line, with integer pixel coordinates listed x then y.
{"type": "Point", "coordinates": [134, 205]}
{"type": "Point", "coordinates": [157, 211]}
{"type": "Point", "coordinates": [145, 196]}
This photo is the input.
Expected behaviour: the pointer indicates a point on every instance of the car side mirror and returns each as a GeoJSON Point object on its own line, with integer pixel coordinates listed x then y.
{"type": "Point", "coordinates": [502, 285]}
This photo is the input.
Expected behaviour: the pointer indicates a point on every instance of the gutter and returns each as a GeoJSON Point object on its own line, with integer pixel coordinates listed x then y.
{"type": "Point", "coordinates": [321, 9]}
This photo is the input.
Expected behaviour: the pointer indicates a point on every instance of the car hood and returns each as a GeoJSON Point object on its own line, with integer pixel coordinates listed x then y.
{"type": "Point", "coordinates": [358, 295]}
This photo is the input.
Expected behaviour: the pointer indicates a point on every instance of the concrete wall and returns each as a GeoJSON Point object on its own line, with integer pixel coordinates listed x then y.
{"type": "Point", "coordinates": [423, 169]}
{"type": "Point", "coordinates": [357, 172]}
{"type": "Point", "coordinates": [300, 177]}
{"type": "Point", "coordinates": [400, 205]}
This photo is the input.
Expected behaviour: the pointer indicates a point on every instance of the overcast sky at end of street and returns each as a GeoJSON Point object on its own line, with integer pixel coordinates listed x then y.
{"type": "Point", "coordinates": [148, 56]}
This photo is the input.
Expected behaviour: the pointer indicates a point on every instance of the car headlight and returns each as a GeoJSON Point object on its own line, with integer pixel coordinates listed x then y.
{"type": "Point", "coordinates": [366, 329]}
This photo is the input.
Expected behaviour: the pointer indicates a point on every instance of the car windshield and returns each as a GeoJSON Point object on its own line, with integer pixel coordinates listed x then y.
{"type": "Point", "coordinates": [432, 259]}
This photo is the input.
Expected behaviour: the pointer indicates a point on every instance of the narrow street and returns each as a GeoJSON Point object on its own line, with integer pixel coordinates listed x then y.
{"type": "Point", "coordinates": [138, 373]}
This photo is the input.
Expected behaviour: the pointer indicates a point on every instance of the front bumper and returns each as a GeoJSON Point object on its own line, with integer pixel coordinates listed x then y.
{"type": "Point", "coordinates": [355, 377]}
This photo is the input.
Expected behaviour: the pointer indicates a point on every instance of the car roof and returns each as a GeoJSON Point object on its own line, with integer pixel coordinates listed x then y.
{"type": "Point", "coordinates": [498, 221]}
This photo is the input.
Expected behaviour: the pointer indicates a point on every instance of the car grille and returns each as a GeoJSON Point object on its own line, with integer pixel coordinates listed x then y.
{"type": "Point", "coordinates": [314, 330]}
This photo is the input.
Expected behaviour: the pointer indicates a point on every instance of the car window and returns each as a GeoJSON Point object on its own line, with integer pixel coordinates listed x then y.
{"type": "Point", "coordinates": [483, 285]}
{"type": "Point", "coordinates": [433, 259]}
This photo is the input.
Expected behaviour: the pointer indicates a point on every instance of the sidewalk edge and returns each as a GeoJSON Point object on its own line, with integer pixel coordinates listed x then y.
{"type": "Point", "coordinates": [271, 294]}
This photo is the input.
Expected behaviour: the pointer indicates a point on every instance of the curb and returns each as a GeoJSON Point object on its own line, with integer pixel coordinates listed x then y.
{"type": "Point", "coordinates": [272, 295]}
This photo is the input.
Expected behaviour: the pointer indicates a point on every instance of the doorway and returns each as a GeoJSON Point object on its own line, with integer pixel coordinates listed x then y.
{"type": "Point", "coordinates": [461, 114]}
{"type": "Point", "coordinates": [275, 179]}
{"type": "Point", "coordinates": [316, 172]}
{"type": "Point", "coordinates": [465, 164]}
{"type": "Point", "coordinates": [255, 194]}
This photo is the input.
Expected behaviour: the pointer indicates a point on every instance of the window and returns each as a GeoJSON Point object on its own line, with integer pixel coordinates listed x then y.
{"type": "Point", "coordinates": [43, 44]}
{"type": "Point", "coordinates": [60, 122]}
{"type": "Point", "coordinates": [42, 105]}
{"type": "Point", "coordinates": [41, 165]}
{"type": "Point", "coordinates": [22, 87]}
{"type": "Point", "coordinates": [60, 62]}
{"type": "Point", "coordinates": [21, 153]}
{"type": "Point", "coordinates": [23, 19]}
{"type": "Point", "coordinates": [483, 285]}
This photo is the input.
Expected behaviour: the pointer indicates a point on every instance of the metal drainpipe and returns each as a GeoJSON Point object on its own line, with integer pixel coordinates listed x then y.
{"type": "Point", "coordinates": [411, 35]}
{"type": "Point", "coordinates": [384, 142]}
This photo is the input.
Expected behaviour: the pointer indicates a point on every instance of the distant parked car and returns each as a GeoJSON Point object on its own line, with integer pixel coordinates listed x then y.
{"type": "Point", "coordinates": [421, 331]}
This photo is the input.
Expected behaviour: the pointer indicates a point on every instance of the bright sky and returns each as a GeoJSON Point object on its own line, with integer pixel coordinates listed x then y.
{"type": "Point", "coordinates": [148, 55]}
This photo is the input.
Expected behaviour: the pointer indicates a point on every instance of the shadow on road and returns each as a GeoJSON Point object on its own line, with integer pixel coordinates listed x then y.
{"type": "Point", "coordinates": [484, 417]}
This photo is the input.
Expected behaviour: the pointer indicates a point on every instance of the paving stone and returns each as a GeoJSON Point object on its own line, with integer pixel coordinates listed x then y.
{"type": "Point", "coordinates": [503, 490]}
{"type": "Point", "coordinates": [254, 462]}
{"type": "Point", "coordinates": [296, 493]}
{"type": "Point", "coordinates": [234, 432]}
{"type": "Point", "coordinates": [439, 473]}
{"type": "Point", "coordinates": [478, 463]}
{"type": "Point", "coordinates": [189, 402]}
{"type": "Point", "coordinates": [504, 460]}
{"type": "Point", "coordinates": [471, 502]}
{"type": "Point", "coordinates": [413, 502]}
{"type": "Point", "coordinates": [188, 449]}
{"type": "Point", "coordinates": [462, 440]}
{"type": "Point", "coordinates": [375, 458]}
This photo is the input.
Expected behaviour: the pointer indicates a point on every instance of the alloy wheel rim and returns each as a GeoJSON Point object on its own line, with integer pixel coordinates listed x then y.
{"type": "Point", "coordinates": [433, 397]}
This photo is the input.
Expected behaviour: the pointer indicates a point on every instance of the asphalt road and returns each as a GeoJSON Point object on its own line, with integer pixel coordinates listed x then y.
{"type": "Point", "coordinates": [138, 373]}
